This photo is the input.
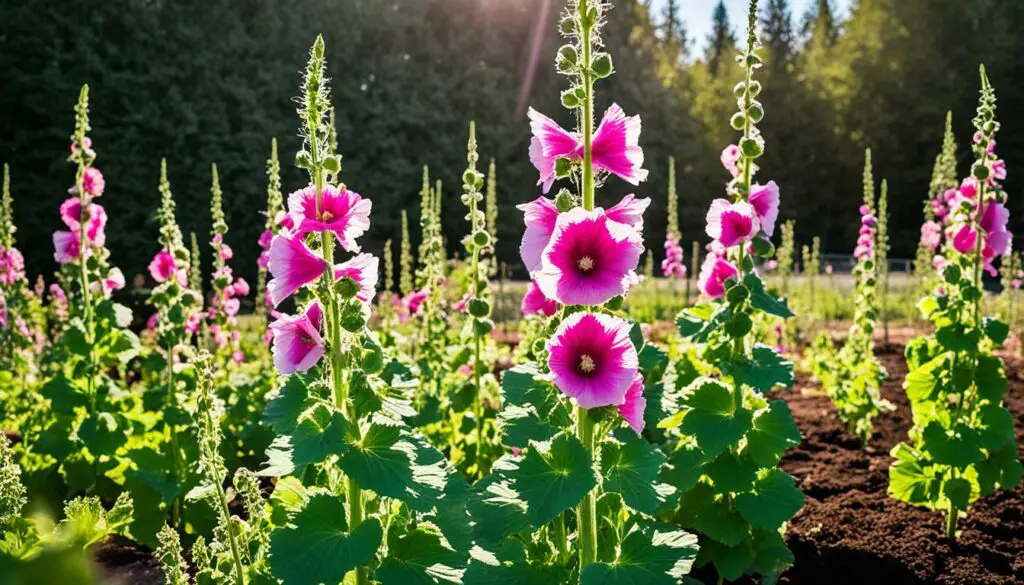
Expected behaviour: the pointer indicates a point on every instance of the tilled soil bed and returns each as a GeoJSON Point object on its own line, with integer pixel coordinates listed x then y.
{"type": "Point", "coordinates": [851, 531]}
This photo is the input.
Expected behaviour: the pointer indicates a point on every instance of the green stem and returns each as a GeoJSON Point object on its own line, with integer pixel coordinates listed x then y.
{"type": "Point", "coordinates": [232, 540]}
{"type": "Point", "coordinates": [952, 516]}
{"type": "Point", "coordinates": [176, 468]}
{"type": "Point", "coordinates": [83, 246]}
{"type": "Point", "coordinates": [587, 113]}
{"type": "Point", "coordinates": [586, 511]}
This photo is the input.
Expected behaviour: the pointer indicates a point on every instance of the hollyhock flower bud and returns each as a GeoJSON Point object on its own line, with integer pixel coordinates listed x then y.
{"type": "Point", "coordinates": [632, 408]}
{"type": "Point", "coordinates": [363, 269]}
{"type": "Point", "coordinates": [713, 275]}
{"type": "Point", "coordinates": [152, 321]}
{"type": "Point", "coordinates": [731, 223]}
{"type": "Point", "coordinates": [292, 266]}
{"type": "Point", "coordinates": [298, 345]}
{"type": "Point", "coordinates": [592, 359]}
{"type": "Point", "coordinates": [590, 259]}
{"type": "Point", "coordinates": [765, 201]}
{"type": "Point", "coordinates": [730, 159]}
{"type": "Point", "coordinates": [931, 235]}
{"type": "Point", "coordinates": [998, 169]}
{"type": "Point", "coordinates": [226, 253]}
{"type": "Point", "coordinates": [86, 141]}
{"type": "Point", "coordinates": [540, 216]}
{"type": "Point", "coordinates": [93, 182]}
{"type": "Point", "coordinates": [535, 303]}
{"type": "Point", "coordinates": [342, 212]}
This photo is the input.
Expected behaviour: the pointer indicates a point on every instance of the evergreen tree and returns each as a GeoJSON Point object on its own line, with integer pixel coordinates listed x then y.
{"type": "Point", "coordinates": [721, 42]}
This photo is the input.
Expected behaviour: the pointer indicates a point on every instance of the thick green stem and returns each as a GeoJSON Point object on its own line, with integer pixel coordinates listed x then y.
{"type": "Point", "coordinates": [952, 516]}
{"type": "Point", "coordinates": [586, 511]}
{"type": "Point", "coordinates": [232, 539]}
{"type": "Point", "coordinates": [587, 114]}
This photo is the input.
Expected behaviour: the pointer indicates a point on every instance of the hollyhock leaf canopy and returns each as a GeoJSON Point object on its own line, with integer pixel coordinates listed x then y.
{"type": "Point", "coordinates": [553, 477]}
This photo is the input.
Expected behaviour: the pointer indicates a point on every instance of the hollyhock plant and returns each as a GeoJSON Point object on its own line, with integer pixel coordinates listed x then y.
{"type": "Point", "coordinates": [223, 311]}
{"type": "Point", "coordinates": [592, 359]}
{"type": "Point", "coordinates": [672, 266]}
{"type": "Point", "coordinates": [297, 342]}
{"type": "Point", "coordinates": [274, 213]}
{"type": "Point", "coordinates": [732, 223]}
{"type": "Point", "coordinates": [535, 303]}
{"type": "Point", "coordinates": [338, 210]}
{"type": "Point", "coordinates": [590, 259]}
{"type": "Point", "coordinates": [16, 298]}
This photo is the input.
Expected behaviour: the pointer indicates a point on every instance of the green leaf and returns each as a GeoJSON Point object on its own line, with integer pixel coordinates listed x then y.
{"type": "Point", "coordinates": [684, 468]}
{"type": "Point", "coordinates": [713, 418]}
{"type": "Point", "coordinates": [279, 458]}
{"type": "Point", "coordinates": [523, 386]}
{"type": "Point", "coordinates": [653, 363]}
{"type": "Point", "coordinates": [650, 555]}
{"type": "Point", "coordinates": [765, 301]}
{"type": "Point", "coordinates": [908, 481]}
{"type": "Point", "coordinates": [730, 473]}
{"type": "Point", "coordinates": [316, 546]}
{"type": "Point", "coordinates": [923, 384]}
{"type": "Point", "coordinates": [958, 490]}
{"type": "Point", "coordinates": [773, 501]}
{"type": "Point", "coordinates": [484, 569]}
{"type": "Point", "coordinates": [553, 477]}
{"type": "Point", "coordinates": [771, 553]}
{"type": "Point", "coordinates": [774, 432]}
{"type": "Point", "coordinates": [496, 510]}
{"type": "Point", "coordinates": [959, 447]}
{"type": "Point", "coordinates": [75, 340]}
{"type": "Point", "coordinates": [519, 425]}
{"type": "Point", "coordinates": [731, 561]}
{"type": "Point", "coordinates": [452, 513]}
{"type": "Point", "coordinates": [420, 558]}
{"type": "Point", "coordinates": [995, 329]}
{"type": "Point", "coordinates": [714, 517]}
{"type": "Point", "coordinates": [396, 464]}
{"type": "Point", "coordinates": [630, 466]}
{"type": "Point", "coordinates": [989, 378]}
{"type": "Point", "coordinates": [319, 434]}
{"type": "Point", "coordinates": [1001, 469]}
{"type": "Point", "coordinates": [64, 396]}
{"type": "Point", "coordinates": [698, 321]}
{"type": "Point", "coordinates": [958, 338]}
{"type": "Point", "coordinates": [766, 370]}
{"type": "Point", "coordinates": [283, 410]}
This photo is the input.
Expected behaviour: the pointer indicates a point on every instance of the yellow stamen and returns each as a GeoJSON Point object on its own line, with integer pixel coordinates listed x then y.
{"type": "Point", "coordinates": [586, 264]}
{"type": "Point", "coordinates": [587, 364]}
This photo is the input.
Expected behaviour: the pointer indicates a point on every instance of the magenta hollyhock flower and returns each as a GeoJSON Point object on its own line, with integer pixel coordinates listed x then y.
{"type": "Point", "coordinates": [93, 182]}
{"type": "Point", "coordinates": [730, 159]}
{"type": "Point", "coordinates": [343, 212]}
{"type": "Point", "coordinates": [66, 246]}
{"type": "Point", "coordinates": [151, 323]}
{"type": "Point", "coordinates": [732, 223]}
{"type": "Point", "coordinates": [535, 303]}
{"type": "Point", "coordinates": [592, 359]}
{"type": "Point", "coordinates": [713, 274]}
{"type": "Point", "coordinates": [965, 240]}
{"type": "Point", "coordinates": [414, 300]}
{"type": "Point", "coordinates": [632, 408]}
{"type": "Point", "coordinates": [994, 220]}
{"type": "Point", "coordinates": [292, 266]}
{"type": "Point", "coordinates": [540, 216]}
{"type": "Point", "coordinates": [969, 188]}
{"type": "Point", "coordinates": [265, 239]}
{"type": "Point", "coordinates": [765, 201]}
{"type": "Point", "coordinates": [630, 211]}
{"type": "Point", "coordinates": [263, 260]}
{"type": "Point", "coordinates": [12, 266]}
{"type": "Point", "coordinates": [226, 253]}
{"type": "Point", "coordinates": [998, 168]}
{"type": "Point", "coordinates": [192, 323]}
{"type": "Point", "coordinates": [163, 266]}
{"type": "Point", "coordinates": [241, 287]}
{"type": "Point", "coordinates": [363, 269]}
{"type": "Point", "coordinates": [462, 305]}
{"type": "Point", "coordinates": [590, 258]}
{"type": "Point", "coordinates": [616, 146]}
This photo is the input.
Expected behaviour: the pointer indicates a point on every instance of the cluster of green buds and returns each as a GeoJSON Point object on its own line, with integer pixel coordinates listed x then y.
{"type": "Point", "coordinates": [275, 207]}
{"type": "Point", "coordinates": [405, 280]}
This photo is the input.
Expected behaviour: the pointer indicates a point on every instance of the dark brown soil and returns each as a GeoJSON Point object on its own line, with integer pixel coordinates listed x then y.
{"type": "Point", "coordinates": [851, 531]}
{"type": "Point", "coordinates": [128, 563]}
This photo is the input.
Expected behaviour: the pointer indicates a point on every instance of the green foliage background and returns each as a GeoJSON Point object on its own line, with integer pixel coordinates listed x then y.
{"type": "Point", "coordinates": [199, 82]}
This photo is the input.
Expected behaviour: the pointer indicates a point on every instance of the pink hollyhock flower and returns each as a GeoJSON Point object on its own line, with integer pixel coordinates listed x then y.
{"type": "Point", "coordinates": [66, 247]}
{"type": "Point", "coordinates": [535, 303]}
{"type": "Point", "coordinates": [192, 323]}
{"type": "Point", "coordinates": [630, 211]}
{"type": "Point", "coordinates": [363, 269]}
{"type": "Point", "coordinates": [285, 221]}
{"type": "Point", "coordinates": [713, 274]}
{"type": "Point", "coordinates": [730, 159]}
{"type": "Point", "coordinates": [241, 287]}
{"type": "Point", "coordinates": [71, 213]}
{"type": "Point", "coordinates": [231, 307]}
{"type": "Point", "coordinates": [268, 337]}
{"type": "Point", "coordinates": [85, 140]}
{"type": "Point", "coordinates": [265, 239]}
{"type": "Point", "coordinates": [590, 259]}
{"type": "Point", "coordinates": [765, 201]}
{"type": "Point", "coordinates": [93, 182]}
{"type": "Point", "coordinates": [994, 218]}
{"type": "Point", "coordinates": [292, 266]}
{"type": "Point", "coordinates": [998, 168]}
{"type": "Point", "coordinates": [969, 188]}
{"type": "Point", "coordinates": [263, 260]}
{"type": "Point", "coordinates": [615, 147]}
{"type": "Point", "coordinates": [939, 262]}
{"type": "Point", "coordinates": [343, 212]}
{"type": "Point", "coordinates": [414, 300]}
{"type": "Point", "coordinates": [152, 321]}
{"type": "Point", "coordinates": [965, 240]}
{"type": "Point", "coordinates": [12, 266]}
{"type": "Point", "coordinates": [731, 223]}
{"type": "Point", "coordinates": [540, 216]}
{"type": "Point", "coordinates": [462, 305]}
{"type": "Point", "coordinates": [237, 356]}
{"type": "Point", "coordinates": [931, 235]}
{"type": "Point", "coordinates": [632, 409]}
{"type": "Point", "coordinates": [163, 266]}
{"type": "Point", "coordinates": [226, 253]}
{"type": "Point", "coordinates": [592, 359]}
{"type": "Point", "coordinates": [1015, 283]}
{"type": "Point", "coordinates": [298, 345]}
{"type": "Point", "coordinates": [672, 266]}
{"type": "Point", "coordinates": [113, 281]}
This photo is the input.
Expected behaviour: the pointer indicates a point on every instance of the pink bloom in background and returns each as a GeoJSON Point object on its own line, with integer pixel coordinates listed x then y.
{"type": "Point", "coordinates": [363, 269]}
{"type": "Point", "coordinates": [765, 201]}
{"type": "Point", "coordinates": [713, 274]}
{"type": "Point", "coordinates": [263, 260]}
{"type": "Point", "coordinates": [192, 323]}
{"type": "Point", "coordinates": [241, 287]}
{"type": "Point", "coordinates": [298, 345]}
{"type": "Point", "coordinates": [969, 188]}
{"type": "Point", "coordinates": [12, 266]}
{"type": "Point", "coordinates": [931, 235]}
{"type": "Point", "coordinates": [632, 408]}
{"type": "Point", "coordinates": [3, 311]}
{"type": "Point", "coordinates": [231, 307]}
{"type": "Point", "coordinates": [66, 247]}
{"type": "Point", "coordinates": [730, 159]}
{"type": "Point", "coordinates": [965, 240]}
{"type": "Point", "coordinates": [163, 266]}
{"type": "Point", "coordinates": [265, 238]}
{"type": "Point", "coordinates": [462, 305]}
{"type": "Point", "coordinates": [151, 323]}
{"type": "Point", "coordinates": [342, 212]}
{"type": "Point", "coordinates": [414, 300]}
{"type": "Point", "coordinates": [592, 359]}
{"type": "Point", "coordinates": [93, 182]}
{"type": "Point", "coordinates": [590, 259]}
{"type": "Point", "coordinates": [615, 147]}
{"type": "Point", "coordinates": [672, 266]}
{"type": "Point", "coordinates": [998, 169]}
{"type": "Point", "coordinates": [1016, 282]}
{"type": "Point", "coordinates": [535, 303]}
{"type": "Point", "coordinates": [540, 216]}
{"type": "Point", "coordinates": [226, 253]}
{"type": "Point", "coordinates": [630, 211]}
{"type": "Point", "coordinates": [292, 266]}
{"type": "Point", "coordinates": [994, 220]}
{"type": "Point", "coordinates": [237, 356]}
{"type": "Point", "coordinates": [731, 223]}
{"type": "Point", "coordinates": [939, 262]}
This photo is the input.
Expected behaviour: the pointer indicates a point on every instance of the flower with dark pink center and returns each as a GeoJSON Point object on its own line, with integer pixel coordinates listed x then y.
{"type": "Point", "coordinates": [592, 359]}
{"type": "Point", "coordinates": [342, 212]}
{"type": "Point", "coordinates": [298, 344]}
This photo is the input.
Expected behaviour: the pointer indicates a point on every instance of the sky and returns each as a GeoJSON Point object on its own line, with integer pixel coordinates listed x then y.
{"type": "Point", "coordinates": [697, 15]}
